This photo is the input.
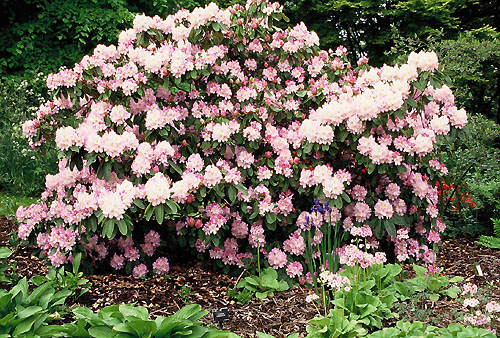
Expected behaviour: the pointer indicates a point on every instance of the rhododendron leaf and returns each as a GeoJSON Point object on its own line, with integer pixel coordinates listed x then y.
{"type": "Point", "coordinates": [307, 148]}
{"type": "Point", "coordinates": [100, 216]}
{"type": "Point", "coordinates": [419, 85]}
{"type": "Point", "coordinates": [390, 227]}
{"type": "Point", "coordinates": [108, 228]}
{"type": "Point", "coordinates": [175, 166]}
{"type": "Point", "coordinates": [107, 170]}
{"type": "Point", "coordinates": [218, 191]}
{"type": "Point", "coordinates": [412, 102]}
{"type": "Point", "coordinates": [159, 212]}
{"type": "Point", "coordinates": [203, 191]}
{"type": "Point", "coordinates": [338, 203]}
{"type": "Point", "coordinates": [139, 203]}
{"type": "Point", "coordinates": [90, 158]}
{"type": "Point", "coordinates": [378, 228]}
{"type": "Point", "coordinates": [346, 197]}
{"type": "Point", "coordinates": [122, 226]}
{"type": "Point", "coordinates": [371, 168]}
{"type": "Point", "coordinates": [148, 213]}
{"type": "Point", "coordinates": [172, 206]}
{"type": "Point", "coordinates": [215, 240]}
{"type": "Point", "coordinates": [399, 220]}
{"type": "Point", "coordinates": [241, 188]}
{"type": "Point", "coordinates": [232, 192]}
{"type": "Point", "coordinates": [255, 212]}
{"type": "Point", "coordinates": [271, 217]}
{"type": "Point", "coordinates": [244, 208]}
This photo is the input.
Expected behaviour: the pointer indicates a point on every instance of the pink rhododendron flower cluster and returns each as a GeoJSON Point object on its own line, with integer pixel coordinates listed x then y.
{"type": "Point", "coordinates": [223, 129]}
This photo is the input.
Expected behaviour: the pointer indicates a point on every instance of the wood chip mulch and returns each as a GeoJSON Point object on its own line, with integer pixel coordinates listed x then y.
{"type": "Point", "coordinates": [281, 315]}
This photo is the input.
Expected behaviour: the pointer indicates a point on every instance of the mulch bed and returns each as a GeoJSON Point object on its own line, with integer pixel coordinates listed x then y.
{"type": "Point", "coordinates": [281, 315]}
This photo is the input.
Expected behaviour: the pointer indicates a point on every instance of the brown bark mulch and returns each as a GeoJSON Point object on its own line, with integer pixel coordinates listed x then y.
{"type": "Point", "coordinates": [281, 315]}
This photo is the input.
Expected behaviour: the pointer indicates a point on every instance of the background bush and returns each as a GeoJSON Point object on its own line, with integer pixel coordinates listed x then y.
{"type": "Point", "coordinates": [474, 159]}
{"type": "Point", "coordinates": [22, 169]}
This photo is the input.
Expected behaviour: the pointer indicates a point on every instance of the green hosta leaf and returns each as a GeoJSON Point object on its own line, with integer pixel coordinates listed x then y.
{"type": "Point", "coordinates": [29, 311]}
{"type": "Point", "coordinates": [5, 252]}
{"type": "Point", "coordinates": [191, 312]}
{"type": "Point", "coordinates": [125, 328]}
{"type": "Point", "coordinates": [138, 312]}
{"type": "Point", "coordinates": [24, 326]}
{"type": "Point", "coordinates": [101, 331]}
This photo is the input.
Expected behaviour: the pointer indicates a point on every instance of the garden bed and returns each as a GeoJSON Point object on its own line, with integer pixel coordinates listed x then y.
{"type": "Point", "coordinates": [286, 312]}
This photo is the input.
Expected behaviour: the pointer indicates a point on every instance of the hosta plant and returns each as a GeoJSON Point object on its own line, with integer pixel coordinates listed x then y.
{"type": "Point", "coordinates": [127, 320]}
{"type": "Point", "coordinates": [61, 279]}
{"type": "Point", "coordinates": [216, 129]}
{"type": "Point", "coordinates": [25, 314]}
{"type": "Point", "coordinates": [4, 254]}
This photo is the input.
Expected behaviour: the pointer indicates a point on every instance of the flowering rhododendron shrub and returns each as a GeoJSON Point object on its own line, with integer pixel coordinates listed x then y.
{"type": "Point", "coordinates": [223, 128]}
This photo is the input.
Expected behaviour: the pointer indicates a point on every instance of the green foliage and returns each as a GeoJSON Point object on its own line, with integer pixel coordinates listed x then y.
{"type": "Point", "coordinates": [10, 203]}
{"type": "Point", "coordinates": [492, 241]}
{"type": "Point", "coordinates": [185, 293]}
{"type": "Point", "coordinates": [265, 285]}
{"type": "Point", "coordinates": [366, 27]}
{"type": "Point", "coordinates": [241, 296]}
{"type": "Point", "coordinates": [4, 253]}
{"type": "Point", "coordinates": [335, 325]}
{"type": "Point", "coordinates": [372, 296]}
{"type": "Point", "coordinates": [475, 158]}
{"type": "Point", "coordinates": [22, 170]}
{"type": "Point", "coordinates": [420, 330]}
{"type": "Point", "coordinates": [473, 62]}
{"type": "Point", "coordinates": [66, 280]}
{"type": "Point", "coordinates": [26, 314]}
{"type": "Point", "coordinates": [431, 284]}
{"type": "Point", "coordinates": [127, 320]}
{"type": "Point", "coordinates": [44, 34]}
